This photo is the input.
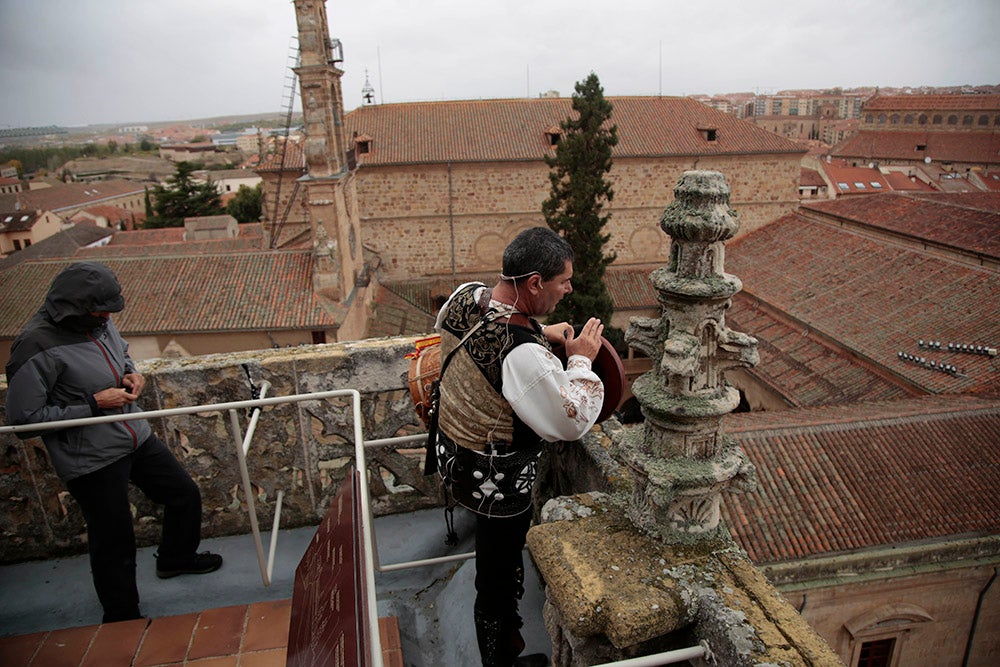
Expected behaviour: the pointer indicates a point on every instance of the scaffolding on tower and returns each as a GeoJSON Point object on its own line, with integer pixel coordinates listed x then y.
{"type": "Point", "coordinates": [288, 106]}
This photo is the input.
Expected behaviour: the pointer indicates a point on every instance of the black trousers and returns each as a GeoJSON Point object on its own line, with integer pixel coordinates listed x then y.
{"type": "Point", "coordinates": [103, 497]}
{"type": "Point", "coordinates": [499, 586]}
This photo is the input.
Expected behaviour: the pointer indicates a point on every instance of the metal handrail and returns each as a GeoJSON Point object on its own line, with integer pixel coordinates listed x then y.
{"type": "Point", "coordinates": [371, 610]}
{"type": "Point", "coordinates": [367, 522]}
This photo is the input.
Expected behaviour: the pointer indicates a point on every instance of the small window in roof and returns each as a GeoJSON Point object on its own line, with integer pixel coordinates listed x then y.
{"type": "Point", "coordinates": [843, 186]}
{"type": "Point", "coordinates": [876, 185]}
{"type": "Point", "coordinates": [920, 147]}
{"type": "Point", "coordinates": [24, 218]}
{"type": "Point", "coordinates": [859, 185]}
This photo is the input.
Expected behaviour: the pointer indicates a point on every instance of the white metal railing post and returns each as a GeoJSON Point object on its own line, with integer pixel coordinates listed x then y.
{"type": "Point", "coordinates": [242, 447]}
{"type": "Point", "coordinates": [367, 534]}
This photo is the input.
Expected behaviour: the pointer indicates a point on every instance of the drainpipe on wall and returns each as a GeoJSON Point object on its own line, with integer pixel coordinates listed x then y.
{"type": "Point", "coordinates": [975, 618]}
{"type": "Point", "coordinates": [451, 224]}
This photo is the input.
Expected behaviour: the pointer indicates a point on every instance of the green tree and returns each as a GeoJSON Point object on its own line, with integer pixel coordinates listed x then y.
{"type": "Point", "coordinates": [576, 199]}
{"type": "Point", "coordinates": [246, 205]}
{"type": "Point", "coordinates": [182, 198]}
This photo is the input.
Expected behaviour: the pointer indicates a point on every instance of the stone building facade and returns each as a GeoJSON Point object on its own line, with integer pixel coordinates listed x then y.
{"type": "Point", "coordinates": [442, 187]}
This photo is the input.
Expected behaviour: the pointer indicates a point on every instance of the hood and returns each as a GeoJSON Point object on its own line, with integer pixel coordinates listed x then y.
{"type": "Point", "coordinates": [83, 288]}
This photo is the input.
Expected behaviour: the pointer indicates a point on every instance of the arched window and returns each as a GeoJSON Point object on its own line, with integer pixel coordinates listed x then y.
{"type": "Point", "coordinates": [967, 120]}
{"type": "Point", "coordinates": [877, 636]}
{"type": "Point", "coordinates": [937, 119]}
{"type": "Point", "coordinates": [894, 119]}
{"type": "Point", "coordinates": [984, 120]}
{"type": "Point", "coordinates": [881, 119]}
{"type": "Point", "coordinates": [909, 119]}
{"type": "Point", "coordinates": [953, 119]}
{"type": "Point", "coordinates": [869, 118]}
{"type": "Point", "coordinates": [922, 120]}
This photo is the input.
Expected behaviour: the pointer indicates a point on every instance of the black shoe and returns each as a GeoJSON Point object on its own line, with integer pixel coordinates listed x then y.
{"type": "Point", "coordinates": [532, 660]}
{"type": "Point", "coordinates": [202, 563]}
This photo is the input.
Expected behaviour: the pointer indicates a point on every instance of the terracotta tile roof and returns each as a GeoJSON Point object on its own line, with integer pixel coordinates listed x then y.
{"type": "Point", "coordinates": [835, 480]}
{"type": "Point", "coordinates": [805, 369]}
{"type": "Point", "coordinates": [19, 221]}
{"type": "Point", "coordinates": [294, 159]}
{"type": "Point", "coordinates": [187, 294]}
{"type": "Point", "coordinates": [854, 180]}
{"type": "Point", "coordinates": [875, 298]}
{"type": "Point", "coordinates": [899, 181]}
{"type": "Point", "coordinates": [515, 129]}
{"type": "Point", "coordinates": [165, 235]}
{"type": "Point", "coordinates": [62, 244]}
{"type": "Point", "coordinates": [965, 147]}
{"type": "Point", "coordinates": [961, 221]}
{"type": "Point", "coordinates": [811, 177]}
{"type": "Point", "coordinates": [991, 179]}
{"type": "Point", "coordinates": [69, 195]}
{"type": "Point", "coordinates": [929, 102]}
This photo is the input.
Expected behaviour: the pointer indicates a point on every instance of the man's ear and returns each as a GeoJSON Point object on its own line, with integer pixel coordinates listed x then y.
{"type": "Point", "coordinates": [535, 283]}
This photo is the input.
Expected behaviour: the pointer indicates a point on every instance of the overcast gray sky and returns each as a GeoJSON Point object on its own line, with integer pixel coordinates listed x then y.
{"type": "Point", "coordinates": [77, 62]}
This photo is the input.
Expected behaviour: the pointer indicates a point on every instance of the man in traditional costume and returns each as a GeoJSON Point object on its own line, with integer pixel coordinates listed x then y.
{"type": "Point", "coordinates": [503, 393]}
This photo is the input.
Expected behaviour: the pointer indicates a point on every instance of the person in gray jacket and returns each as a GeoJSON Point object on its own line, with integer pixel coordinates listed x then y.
{"type": "Point", "coordinates": [69, 362]}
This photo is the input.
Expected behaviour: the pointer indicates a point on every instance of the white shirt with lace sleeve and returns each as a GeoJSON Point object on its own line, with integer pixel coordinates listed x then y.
{"type": "Point", "coordinates": [556, 404]}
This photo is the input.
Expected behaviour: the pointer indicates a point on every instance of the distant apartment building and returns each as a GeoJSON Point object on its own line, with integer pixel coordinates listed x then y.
{"type": "Point", "coordinates": [958, 133]}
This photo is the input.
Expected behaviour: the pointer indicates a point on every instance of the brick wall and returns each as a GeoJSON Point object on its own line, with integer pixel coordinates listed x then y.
{"type": "Point", "coordinates": [414, 215]}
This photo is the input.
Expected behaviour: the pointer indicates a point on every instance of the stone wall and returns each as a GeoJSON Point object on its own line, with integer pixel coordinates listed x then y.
{"type": "Point", "coordinates": [304, 449]}
{"type": "Point", "coordinates": [414, 215]}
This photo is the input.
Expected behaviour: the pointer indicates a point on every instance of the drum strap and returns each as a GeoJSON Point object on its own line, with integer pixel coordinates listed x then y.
{"type": "Point", "coordinates": [430, 456]}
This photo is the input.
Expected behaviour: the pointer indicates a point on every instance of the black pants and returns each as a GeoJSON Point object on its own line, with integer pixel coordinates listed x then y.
{"type": "Point", "coordinates": [103, 497]}
{"type": "Point", "coordinates": [499, 586]}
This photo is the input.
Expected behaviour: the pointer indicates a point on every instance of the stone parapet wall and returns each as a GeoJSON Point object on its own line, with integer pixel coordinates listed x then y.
{"type": "Point", "coordinates": [303, 449]}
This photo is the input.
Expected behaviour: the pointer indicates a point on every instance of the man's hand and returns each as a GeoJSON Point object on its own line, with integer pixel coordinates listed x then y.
{"type": "Point", "coordinates": [134, 382]}
{"type": "Point", "coordinates": [558, 334]}
{"type": "Point", "coordinates": [588, 343]}
{"type": "Point", "coordinates": [114, 397]}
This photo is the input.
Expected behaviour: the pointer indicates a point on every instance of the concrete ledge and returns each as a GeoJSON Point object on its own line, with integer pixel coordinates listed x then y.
{"type": "Point", "coordinates": [617, 593]}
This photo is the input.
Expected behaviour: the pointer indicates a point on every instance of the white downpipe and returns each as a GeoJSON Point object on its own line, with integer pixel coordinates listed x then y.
{"type": "Point", "coordinates": [667, 658]}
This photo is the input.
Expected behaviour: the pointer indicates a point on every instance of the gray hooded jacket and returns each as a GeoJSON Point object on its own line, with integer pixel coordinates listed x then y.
{"type": "Point", "coordinates": [61, 359]}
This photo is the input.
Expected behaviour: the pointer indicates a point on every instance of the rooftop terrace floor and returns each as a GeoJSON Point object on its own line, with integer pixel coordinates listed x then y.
{"type": "Point", "coordinates": [49, 612]}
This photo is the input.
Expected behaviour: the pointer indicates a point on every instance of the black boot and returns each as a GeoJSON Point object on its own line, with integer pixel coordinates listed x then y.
{"type": "Point", "coordinates": [532, 660]}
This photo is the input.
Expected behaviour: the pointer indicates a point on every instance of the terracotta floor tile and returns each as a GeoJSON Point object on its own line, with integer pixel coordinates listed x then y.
{"type": "Point", "coordinates": [115, 643]}
{"type": "Point", "coordinates": [167, 640]}
{"type": "Point", "coordinates": [65, 647]}
{"type": "Point", "coordinates": [221, 661]}
{"type": "Point", "coordinates": [267, 625]}
{"type": "Point", "coordinates": [388, 630]}
{"type": "Point", "coordinates": [273, 658]}
{"type": "Point", "coordinates": [392, 658]}
{"type": "Point", "coordinates": [18, 650]}
{"type": "Point", "coordinates": [218, 632]}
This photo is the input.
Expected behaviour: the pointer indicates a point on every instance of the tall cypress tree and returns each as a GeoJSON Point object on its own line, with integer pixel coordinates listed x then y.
{"type": "Point", "coordinates": [577, 196]}
{"type": "Point", "coordinates": [182, 198]}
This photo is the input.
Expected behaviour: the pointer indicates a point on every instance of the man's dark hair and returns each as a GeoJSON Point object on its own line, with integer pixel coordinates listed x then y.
{"type": "Point", "coordinates": [537, 250]}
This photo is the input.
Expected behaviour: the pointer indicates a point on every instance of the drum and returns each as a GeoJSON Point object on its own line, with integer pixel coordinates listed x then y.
{"type": "Point", "coordinates": [425, 368]}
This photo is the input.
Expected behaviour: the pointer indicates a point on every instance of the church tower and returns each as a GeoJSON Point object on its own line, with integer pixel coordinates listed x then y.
{"type": "Point", "coordinates": [330, 189]}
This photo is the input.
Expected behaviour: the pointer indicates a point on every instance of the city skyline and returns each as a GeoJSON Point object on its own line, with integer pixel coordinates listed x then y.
{"type": "Point", "coordinates": [80, 63]}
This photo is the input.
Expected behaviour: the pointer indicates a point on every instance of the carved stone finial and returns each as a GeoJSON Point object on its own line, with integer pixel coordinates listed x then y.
{"type": "Point", "coordinates": [679, 460]}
